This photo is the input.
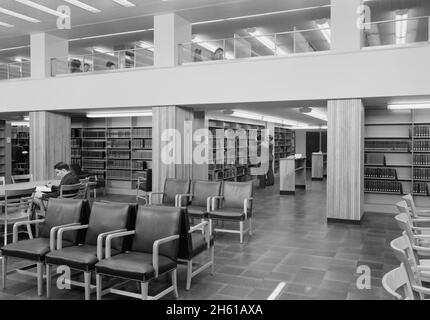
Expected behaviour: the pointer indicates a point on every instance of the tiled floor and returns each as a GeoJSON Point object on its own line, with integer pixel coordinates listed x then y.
{"type": "Point", "coordinates": [292, 243]}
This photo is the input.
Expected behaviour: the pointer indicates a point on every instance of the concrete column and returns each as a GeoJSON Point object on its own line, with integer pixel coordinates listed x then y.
{"type": "Point", "coordinates": [345, 160]}
{"type": "Point", "coordinates": [49, 143]}
{"type": "Point", "coordinates": [43, 48]}
{"type": "Point", "coordinates": [345, 34]}
{"type": "Point", "coordinates": [170, 30]}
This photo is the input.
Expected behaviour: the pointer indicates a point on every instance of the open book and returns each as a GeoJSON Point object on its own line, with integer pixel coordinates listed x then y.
{"type": "Point", "coordinates": [43, 189]}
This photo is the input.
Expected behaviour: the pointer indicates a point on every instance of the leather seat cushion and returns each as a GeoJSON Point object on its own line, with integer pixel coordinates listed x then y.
{"type": "Point", "coordinates": [31, 249]}
{"type": "Point", "coordinates": [227, 214]}
{"type": "Point", "coordinates": [197, 212]}
{"type": "Point", "coordinates": [199, 243]}
{"type": "Point", "coordinates": [76, 257]}
{"type": "Point", "coordinates": [134, 265]}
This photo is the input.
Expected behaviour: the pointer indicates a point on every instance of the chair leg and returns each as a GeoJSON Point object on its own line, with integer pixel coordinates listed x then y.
{"type": "Point", "coordinates": [87, 280]}
{"type": "Point", "coordinates": [144, 289]}
{"type": "Point", "coordinates": [175, 283]}
{"type": "Point", "coordinates": [99, 285]}
{"type": "Point", "coordinates": [210, 227]}
{"type": "Point", "coordinates": [39, 278]}
{"type": "Point", "coordinates": [241, 231]}
{"type": "Point", "coordinates": [4, 271]}
{"type": "Point", "coordinates": [189, 273]}
{"type": "Point", "coordinates": [48, 280]}
{"type": "Point", "coordinates": [29, 231]}
{"type": "Point", "coordinates": [203, 229]}
{"type": "Point", "coordinates": [212, 259]}
{"type": "Point", "coordinates": [250, 226]}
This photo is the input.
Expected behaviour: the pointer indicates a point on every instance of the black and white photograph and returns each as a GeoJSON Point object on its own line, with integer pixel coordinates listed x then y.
{"type": "Point", "coordinates": [224, 157]}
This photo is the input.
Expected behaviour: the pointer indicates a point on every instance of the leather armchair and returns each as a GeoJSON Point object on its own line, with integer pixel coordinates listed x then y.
{"type": "Point", "coordinates": [235, 204]}
{"type": "Point", "coordinates": [172, 189]}
{"type": "Point", "coordinates": [154, 251]}
{"type": "Point", "coordinates": [192, 244]}
{"type": "Point", "coordinates": [105, 219]}
{"type": "Point", "coordinates": [59, 213]}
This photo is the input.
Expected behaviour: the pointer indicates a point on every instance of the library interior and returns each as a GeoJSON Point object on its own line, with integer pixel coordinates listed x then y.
{"type": "Point", "coordinates": [215, 150]}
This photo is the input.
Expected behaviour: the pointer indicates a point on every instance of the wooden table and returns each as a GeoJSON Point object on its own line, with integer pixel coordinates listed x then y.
{"type": "Point", "coordinates": [26, 185]}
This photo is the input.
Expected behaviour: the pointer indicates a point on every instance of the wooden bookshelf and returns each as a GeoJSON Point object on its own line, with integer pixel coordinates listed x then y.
{"type": "Point", "coordinates": [292, 174]}
{"type": "Point", "coordinates": [20, 150]}
{"type": "Point", "coordinates": [5, 150]}
{"type": "Point", "coordinates": [284, 145]}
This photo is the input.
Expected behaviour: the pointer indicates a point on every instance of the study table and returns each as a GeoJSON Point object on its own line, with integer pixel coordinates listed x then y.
{"type": "Point", "coordinates": [26, 185]}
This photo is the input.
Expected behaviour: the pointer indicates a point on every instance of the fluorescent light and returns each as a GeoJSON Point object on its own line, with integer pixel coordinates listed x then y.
{"type": "Point", "coordinates": [104, 50]}
{"type": "Point", "coordinates": [209, 45]}
{"type": "Point", "coordinates": [111, 34]}
{"type": "Point", "coordinates": [42, 8]}
{"type": "Point", "coordinates": [145, 45]}
{"type": "Point", "coordinates": [324, 27]}
{"type": "Point", "coordinates": [316, 113]}
{"type": "Point", "coordinates": [27, 118]}
{"type": "Point", "coordinates": [20, 123]}
{"type": "Point", "coordinates": [83, 6]}
{"type": "Point", "coordinates": [261, 117]}
{"type": "Point", "coordinates": [408, 106]}
{"type": "Point", "coordinates": [401, 26]}
{"type": "Point", "coordinates": [309, 128]}
{"type": "Point", "coordinates": [125, 3]}
{"type": "Point", "coordinates": [7, 25]}
{"type": "Point", "coordinates": [267, 41]}
{"type": "Point", "coordinates": [147, 113]}
{"type": "Point", "coordinates": [18, 15]}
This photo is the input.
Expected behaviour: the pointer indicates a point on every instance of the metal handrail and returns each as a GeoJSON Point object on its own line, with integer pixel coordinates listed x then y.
{"type": "Point", "coordinates": [13, 64]}
{"type": "Point", "coordinates": [396, 20]}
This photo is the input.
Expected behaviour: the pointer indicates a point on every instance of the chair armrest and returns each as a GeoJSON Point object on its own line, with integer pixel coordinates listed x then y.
{"type": "Point", "coordinates": [53, 232]}
{"type": "Point", "coordinates": [155, 249]}
{"type": "Point", "coordinates": [421, 249]}
{"type": "Point", "coordinates": [418, 220]}
{"type": "Point", "coordinates": [420, 228]}
{"type": "Point", "coordinates": [179, 198]}
{"type": "Point", "coordinates": [100, 238]}
{"type": "Point", "coordinates": [198, 226]}
{"type": "Point", "coordinates": [245, 205]}
{"type": "Point", "coordinates": [23, 223]}
{"type": "Point", "coordinates": [65, 229]}
{"type": "Point", "coordinates": [214, 198]}
{"type": "Point", "coordinates": [151, 194]}
{"type": "Point", "coordinates": [109, 238]}
{"type": "Point", "coordinates": [423, 268]}
{"type": "Point", "coordinates": [142, 198]}
{"type": "Point", "coordinates": [421, 289]}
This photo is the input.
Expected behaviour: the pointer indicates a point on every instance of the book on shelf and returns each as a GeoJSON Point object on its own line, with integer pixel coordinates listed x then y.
{"type": "Point", "coordinates": [381, 173]}
{"type": "Point", "coordinates": [383, 186]}
{"type": "Point", "coordinates": [383, 145]}
{"type": "Point", "coordinates": [422, 131]}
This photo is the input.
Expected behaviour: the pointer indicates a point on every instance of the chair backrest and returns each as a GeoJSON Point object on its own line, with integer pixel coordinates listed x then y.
{"type": "Point", "coordinates": [397, 280]}
{"type": "Point", "coordinates": [185, 240]}
{"type": "Point", "coordinates": [64, 211]}
{"type": "Point", "coordinates": [22, 178]}
{"type": "Point", "coordinates": [201, 190]}
{"type": "Point", "coordinates": [105, 217]}
{"type": "Point", "coordinates": [75, 191]}
{"type": "Point", "coordinates": [411, 203]}
{"type": "Point", "coordinates": [405, 224]}
{"type": "Point", "coordinates": [20, 199]}
{"type": "Point", "coordinates": [235, 193]}
{"type": "Point", "coordinates": [2, 181]}
{"type": "Point", "coordinates": [156, 222]}
{"type": "Point", "coordinates": [403, 251]}
{"type": "Point", "coordinates": [172, 187]}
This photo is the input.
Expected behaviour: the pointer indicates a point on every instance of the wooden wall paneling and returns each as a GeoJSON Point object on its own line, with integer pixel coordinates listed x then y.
{"type": "Point", "coordinates": [345, 156]}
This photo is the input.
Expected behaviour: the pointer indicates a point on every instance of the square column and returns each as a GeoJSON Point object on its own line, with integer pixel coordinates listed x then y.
{"type": "Point", "coordinates": [345, 33]}
{"type": "Point", "coordinates": [43, 48]}
{"type": "Point", "coordinates": [345, 160]}
{"type": "Point", "coordinates": [170, 30]}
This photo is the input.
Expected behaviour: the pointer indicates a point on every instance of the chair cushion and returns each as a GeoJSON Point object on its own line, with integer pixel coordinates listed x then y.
{"type": "Point", "coordinates": [134, 265]}
{"type": "Point", "coordinates": [31, 249]}
{"type": "Point", "coordinates": [172, 187]}
{"type": "Point", "coordinates": [227, 214]}
{"type": "Point", "coordinates": [199, 243]}
{"type": "Point", "coordinates": [235, 193]}
{"type": "Point", "coordinates": [76, 257]}
{"type": "Point", "coordinates": [197, 212]}
{"type": "Point", "coordinates": [201, 190]}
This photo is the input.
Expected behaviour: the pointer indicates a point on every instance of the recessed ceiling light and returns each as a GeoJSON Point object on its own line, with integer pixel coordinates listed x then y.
{"type": "Point", "coordinates": [83, 6]}
{"type": "Point", "coordinates": [7, 25]}
{"type": "Point", "coordinates": [125, 3]}
{"type": "Point", "coordinates": [18, 15]}
{"type": "Point", "coordinates": [42, 8]}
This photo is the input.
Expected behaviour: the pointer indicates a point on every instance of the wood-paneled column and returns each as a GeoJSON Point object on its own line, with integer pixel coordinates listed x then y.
{"type": "Point", "coordinates": [49, 143]}
{"type": "Point", "coordinates": [345, 160]}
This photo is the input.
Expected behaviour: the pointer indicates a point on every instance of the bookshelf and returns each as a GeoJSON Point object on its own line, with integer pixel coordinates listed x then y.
{"type": "Point", "coordinates": [397, 157]}
{"type": "Point", "coordinates": [237, 162]}
{"type": "Point", "coordinates": [117, 150]}
{"type": "Point", "coordinates": [5, 150]}
{"type": "Point", "coordinates": [20, 136]}
{"type": "Point", "coordinates": [284, 140]}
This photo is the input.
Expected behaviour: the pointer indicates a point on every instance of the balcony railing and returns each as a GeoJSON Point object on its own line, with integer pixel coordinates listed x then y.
{"type": "Point", "coordinates": [115, 60]}
{"type": "Point", "coordinates": [397, 32]}
{"type": "Point", "coordinates": [15, 70]}
{"type": "Point", "coordinates": [256, 45]}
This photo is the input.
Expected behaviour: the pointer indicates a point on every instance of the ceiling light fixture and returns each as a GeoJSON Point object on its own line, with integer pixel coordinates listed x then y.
{"type": "Point", "coordinates": [125, 3]}
{"type": "Point", "coordinates": [324, 27]}
{"type": "Point", "coordinates": [261, 117]}
{"type": "Point", "coordinates": [145, 45]}
{"type": "Point", "coordinates": [104, 50]}
{"type": "Point", "coordinates": [6, 25]}
{"type": "Point", "coordinates": [20, 124]}
{"type": "Point", "coordinates": [147, 113]}
{"type": "Point", "coordinates": [267, 41]}
{"type": "Point", "coordinates": [314, 113]}
{"type": "Point", "coordinates": [401, 26]}
{"type": "Point", "coordinates": [408, 106]}
{"type": "Point", "coordinates": [18, 15]}
{"type": "Point", "coordinates": [83, 6]}
{"type": "Point", "coordinates": [42, 8]}
{"type": "Point", "coordinates": [309, 128]}
{"type": "Point", "coordinates": [111, 35]}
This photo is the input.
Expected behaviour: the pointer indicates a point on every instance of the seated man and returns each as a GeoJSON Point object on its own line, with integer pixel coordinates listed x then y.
{"type": "Point", "coordinates": [62, 170]}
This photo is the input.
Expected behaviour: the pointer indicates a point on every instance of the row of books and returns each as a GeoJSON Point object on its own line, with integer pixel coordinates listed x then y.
{"type": "Point", "coordinates": [93, 144]}
{"type": "Point", "coordinates": [422, 131]}
{"type": "Point", "coordinates": [382, 173]}
{"type": "Point", "coordinates": [119, 164]}
{"type": "Point", "coordinates": [93, 164]}
{"type": "Point", "coordinates": [421, 173]}
{"type": "Point", "coordinates": [141, 154]}
{"type": "Point", "coordinates": [402, 146]}
{"type": "Point", "coordinates": [383, 186]}
{"type": "Point", "coordinates": [94, 154]}
{"type": "Point", "coordinates": [76, 153]}
{"type": "Point", "coordinates": [119, 174]}
{"type": "Point", "coordinates": [142, 144]}
{"type": "Point", "coordinates": [420, 187]}
{"type": "Point", "coordinates": [118, 154]}
{"type": "Point", "coordinates": [141, 132]}
{"type": "Point", "coordinates": [118, 133]}
{"type": "Point", "coordinates": [421, 145]}
{"type": "Point", "coordinates": [374, 159]}
{"type": "Point", "coordinates": [422, 159]}
{"type": "Point", "coordinates": [123, 144]}
{"type": "Point", "coordinates": [20, 135]}
{"type": "Point", "coordinates": [94, 134]}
